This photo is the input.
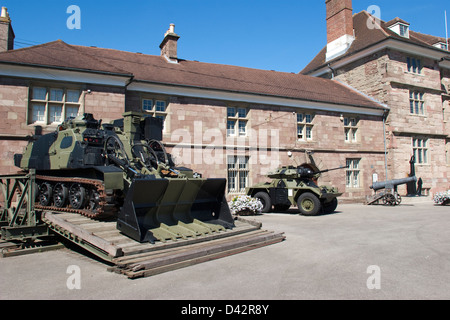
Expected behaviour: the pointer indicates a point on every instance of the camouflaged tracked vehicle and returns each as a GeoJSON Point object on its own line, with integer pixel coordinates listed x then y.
{"type": "Point", "coordinates": [296, 187]}
{"type": "Point", "coordinates": [122, 170]}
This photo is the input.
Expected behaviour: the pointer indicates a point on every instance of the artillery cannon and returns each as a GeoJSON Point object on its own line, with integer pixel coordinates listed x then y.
{"type": "Point", "coordinates": [389, 194]}
{"type": "Point", "coordinates": [296, 186]}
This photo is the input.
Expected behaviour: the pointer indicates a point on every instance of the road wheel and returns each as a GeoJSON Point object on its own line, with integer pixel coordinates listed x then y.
{"type": "Point", "coordinates": [60, 195]}
{"type": "Point", "coordinates": [329, 207]}
{"type": "Point", "coordinates": [45, 194]}
{"type": "Point", "coordinates": [77, 196]}
{"type": "Point", "coordinates": [94, 200]}
{"type": "Point", "coordinates": [308, 204]}
{"type": "Point", "coordinates": [265, 200]}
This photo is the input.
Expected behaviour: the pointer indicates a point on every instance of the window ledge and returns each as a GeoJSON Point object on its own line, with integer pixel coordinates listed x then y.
{"type": "Point", "coordinates": [418, 115]}
{"type": "Point", "coordinates": [415, 74]}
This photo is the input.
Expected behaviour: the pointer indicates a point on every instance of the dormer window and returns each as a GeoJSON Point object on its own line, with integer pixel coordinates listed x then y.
{"type": "Point", "coordinates": [441, 45]}
{"type": "Point", "coordinates": [404, 30]}
{"type": "Point", "coordinates": [400, 27]}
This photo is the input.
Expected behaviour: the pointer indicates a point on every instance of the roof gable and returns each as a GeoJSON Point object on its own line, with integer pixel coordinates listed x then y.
{"type": "Point", "coordinates": [367, 35]}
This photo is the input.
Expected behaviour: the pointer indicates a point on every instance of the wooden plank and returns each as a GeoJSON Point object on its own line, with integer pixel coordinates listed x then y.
{"type": "Point", "coordinates": [101, 243]}
{"type": "Point", "coordinates": [207, 249]}
{"type": "Point", "coordinates": [130, 273]}
{"type": "Point", "coordinates": [124, 260]}
{"type": "Point", "coordinates": [106, 234]}
{"type": "Point", "coordinates": [77, 219]}
{"type": "Point", "coordinates": [87, 223]}
{"type": "Point", "coordinates": [98, 225]}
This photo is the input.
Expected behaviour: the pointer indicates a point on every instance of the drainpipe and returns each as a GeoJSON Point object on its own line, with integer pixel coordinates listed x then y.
{"type": "Point", "coordinates": [385, 150]}
{"type": "Point", "coordinates": [129, 81]}
{"type": "Point", "coordinates": [332, 71]}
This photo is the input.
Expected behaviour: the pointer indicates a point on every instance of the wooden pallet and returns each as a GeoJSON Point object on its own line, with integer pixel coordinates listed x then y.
{"type": "Point", "coordinates": [135, 259]}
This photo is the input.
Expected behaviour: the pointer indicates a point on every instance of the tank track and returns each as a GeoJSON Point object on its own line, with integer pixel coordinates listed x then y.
{"type": "Point", "coordinates": [106, 207]}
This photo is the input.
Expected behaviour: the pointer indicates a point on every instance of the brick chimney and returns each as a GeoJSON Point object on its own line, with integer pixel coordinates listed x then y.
{"type": "Point", "coordinates": [169, 45]}
{"type": "Point", "coordinates": [340, 33]}
{"type": "Point", "coordinates": [6, 32]}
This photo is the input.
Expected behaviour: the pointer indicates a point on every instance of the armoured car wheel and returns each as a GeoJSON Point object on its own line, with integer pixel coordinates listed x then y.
{"type": "Point", "coordinates": [60, 195]}
{"type": "Point", "coordinates": [330, 206]}
{"type": "Point", "coordinates": [265, 200]}
{"type": "Point", "coordinates": [308, 204]}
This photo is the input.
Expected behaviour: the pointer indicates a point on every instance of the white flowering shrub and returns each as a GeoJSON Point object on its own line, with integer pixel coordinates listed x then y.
{"type": "Point", "coordinates": [442, 197]}
{"type": "Point", "coordinates": [244, 205]}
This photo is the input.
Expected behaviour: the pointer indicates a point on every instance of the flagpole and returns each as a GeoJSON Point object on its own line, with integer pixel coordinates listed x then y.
{"type": "Point", "coordinates": [446, 30]}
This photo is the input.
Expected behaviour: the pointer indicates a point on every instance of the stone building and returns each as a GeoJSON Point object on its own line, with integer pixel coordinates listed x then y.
{"type": "Point", "coordinates": [220, 120]}
{"type": "Point", "coordinates": [404, 69]}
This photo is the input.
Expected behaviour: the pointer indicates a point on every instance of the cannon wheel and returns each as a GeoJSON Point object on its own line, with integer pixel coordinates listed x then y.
{"type": "Point", "coordinates": [389, 199]}
{"type": "Point", "coordinates": [398, 199]}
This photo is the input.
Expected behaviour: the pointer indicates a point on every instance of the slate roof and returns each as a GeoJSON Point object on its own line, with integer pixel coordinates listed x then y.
{"type": "Point", "coordinates": [366, 37]}
{"type": "Point", "coordinates": [156, 69]}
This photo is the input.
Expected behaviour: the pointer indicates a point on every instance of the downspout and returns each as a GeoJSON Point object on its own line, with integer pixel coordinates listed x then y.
{"type": "Point", "coordinates": [332, 70]}
{"type": "Point", "coordinates": [83, 107]}
{"type": "Point", "coordinates": [385, 150]}
{"type": "Point", "coordinates": [126, 89]}
{"type": "Point", "coordinates": [129, 81]}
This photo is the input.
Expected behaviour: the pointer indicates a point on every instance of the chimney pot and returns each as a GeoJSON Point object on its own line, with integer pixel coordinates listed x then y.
{"type": "Point", "coordinates": [4, 12]}
{"type": "Point", "coordinates": [169, 44]}
{"type": "Point", "coordinates": [6, 32]}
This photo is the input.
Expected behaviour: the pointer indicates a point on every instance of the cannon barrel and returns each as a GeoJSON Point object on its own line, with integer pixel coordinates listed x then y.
{"type": "Point", "coordinates": [392, 183]}
{"type": "Point", "coordinates": [338, 168]}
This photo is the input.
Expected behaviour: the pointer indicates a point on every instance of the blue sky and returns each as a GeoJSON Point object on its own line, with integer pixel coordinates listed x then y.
{"type": "Point", "coordinates": [282, 35]}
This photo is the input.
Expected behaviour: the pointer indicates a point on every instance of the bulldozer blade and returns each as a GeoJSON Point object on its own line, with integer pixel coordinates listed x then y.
{"type": "Point", "coordinates": [170, 209]}
{"type": "Point", "coordinates": [210, 204]}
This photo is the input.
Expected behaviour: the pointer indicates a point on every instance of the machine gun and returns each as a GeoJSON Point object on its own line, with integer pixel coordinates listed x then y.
{"type": "Point", "coordinates": [389, 194]}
